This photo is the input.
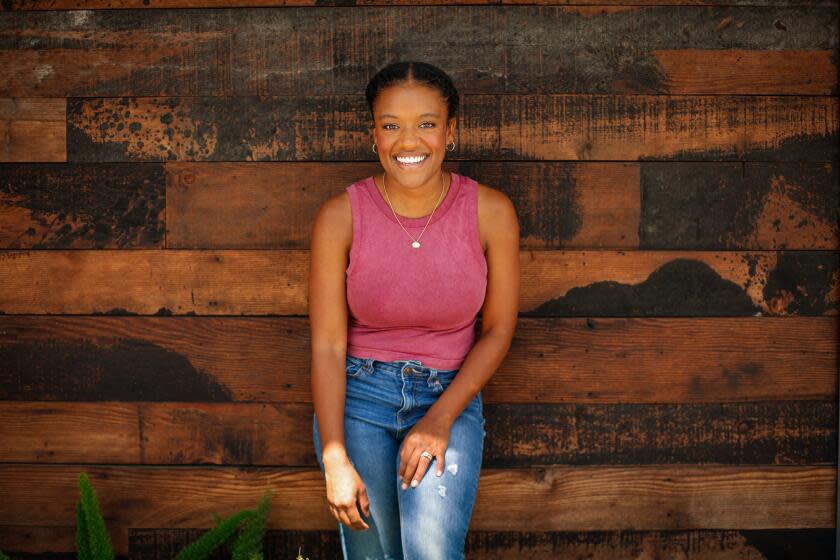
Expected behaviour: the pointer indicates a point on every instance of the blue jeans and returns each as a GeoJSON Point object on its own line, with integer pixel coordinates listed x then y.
{"type": "Point", "coordinates": [429, 522]}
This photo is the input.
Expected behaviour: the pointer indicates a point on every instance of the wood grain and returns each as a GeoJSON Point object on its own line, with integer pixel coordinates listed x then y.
{"type": "Point", "coordinates": [554, 283]}
{"type": "Point", "coordinates": [780, 433]}
{"type": "Point", "coordinates": [559, 498]}
{"type": "Point", "coordinates": [32, 129]}
{"type": "Point", "coordinates": [551, 360]}
{"type": "Point", "coordinates": [252, 48]}
{"type": "Point", "coordinates": [503, 127]}
{"type": "Point", "coordinates": [707, 544]}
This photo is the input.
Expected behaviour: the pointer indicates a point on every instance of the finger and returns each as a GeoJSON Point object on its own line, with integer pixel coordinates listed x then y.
{"type": "Point", "coordinates": [364, 502]}
{"type": "Point", "coordinates": [405, 455]}
{"type": "Point", "coordinates": [422, 467]}
{"type": "Point", "coordinates": [420, 470]}
{"type": "Point", "coordinates": [410, 468]}
{"type": "Point", "coordinates": [355, 519]}
{"type": "Point", "coordinates": [439, 465]}
{"type": "Point", "coordinates": [344, 518]}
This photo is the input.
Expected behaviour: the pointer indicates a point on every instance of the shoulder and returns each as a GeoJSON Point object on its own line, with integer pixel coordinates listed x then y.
{"type": "Point", "coordinates": [496, 215]}
{"type": "Point", "coordinates": [334, 221]}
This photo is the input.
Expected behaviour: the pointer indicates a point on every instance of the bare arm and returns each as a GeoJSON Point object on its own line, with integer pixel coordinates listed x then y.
{"type": "Point", "coordinates": [499, 313]}
{"type": "Point", "coordinates": [498, 322]}
{"type": "Point", "coordinates": [331, 237]}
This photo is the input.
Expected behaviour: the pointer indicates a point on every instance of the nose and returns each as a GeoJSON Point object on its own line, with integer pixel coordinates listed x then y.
{"type": "Point", "coordinates": [408, 137]}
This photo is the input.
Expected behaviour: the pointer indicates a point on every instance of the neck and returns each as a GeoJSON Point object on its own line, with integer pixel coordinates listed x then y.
{"type": "Point", "coordinates": [414, 201]}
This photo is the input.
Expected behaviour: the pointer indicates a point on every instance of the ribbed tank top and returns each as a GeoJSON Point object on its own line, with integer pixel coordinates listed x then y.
{"type": "Point", "coordinates": [415, 304]}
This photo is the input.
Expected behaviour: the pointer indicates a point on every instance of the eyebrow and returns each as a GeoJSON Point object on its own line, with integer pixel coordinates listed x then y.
{"type": "Point", "coordinates": [383, 115]}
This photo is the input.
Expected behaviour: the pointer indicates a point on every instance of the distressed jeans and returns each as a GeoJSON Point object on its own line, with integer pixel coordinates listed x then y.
{"type": "Point", "coordinates": [428, 522]}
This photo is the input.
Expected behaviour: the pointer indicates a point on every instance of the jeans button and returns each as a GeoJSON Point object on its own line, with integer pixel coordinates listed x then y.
{"type": "Point", "coordinates": [406, 369]}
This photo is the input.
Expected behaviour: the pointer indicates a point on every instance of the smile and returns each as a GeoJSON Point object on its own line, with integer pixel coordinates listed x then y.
{"type": "Point", "coordinates": [413, 161]}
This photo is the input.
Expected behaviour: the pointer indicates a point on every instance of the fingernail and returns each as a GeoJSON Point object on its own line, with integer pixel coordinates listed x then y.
{"type": "Point", "coordinates": [439, 473]}
{"type": "Point", "coordinates": [413, 483]}
{"type": "Point", "coordinates": [404, 486]}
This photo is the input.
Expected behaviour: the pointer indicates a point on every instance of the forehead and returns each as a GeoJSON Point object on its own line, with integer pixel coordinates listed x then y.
{"type": "Point", "coordinates": [407, 101]}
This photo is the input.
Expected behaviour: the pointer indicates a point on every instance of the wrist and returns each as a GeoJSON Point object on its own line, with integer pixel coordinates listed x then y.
{"type": "Point", "coordinates": [335, 457]}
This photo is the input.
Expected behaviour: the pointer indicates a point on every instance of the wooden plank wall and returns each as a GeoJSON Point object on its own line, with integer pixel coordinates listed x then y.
{"type": "Point", "coordinates": [672, 388]}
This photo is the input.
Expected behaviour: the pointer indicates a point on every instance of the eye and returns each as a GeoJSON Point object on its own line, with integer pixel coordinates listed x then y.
{"type": "Point", "coordinates": [431, 123]}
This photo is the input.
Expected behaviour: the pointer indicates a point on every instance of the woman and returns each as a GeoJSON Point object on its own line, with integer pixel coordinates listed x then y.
{"type": "Point", "coordinates": [400, 436]}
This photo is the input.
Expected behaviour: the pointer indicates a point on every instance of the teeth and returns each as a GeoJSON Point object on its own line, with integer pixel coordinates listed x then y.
{"type": "Point", "coordinates": [411, 159]}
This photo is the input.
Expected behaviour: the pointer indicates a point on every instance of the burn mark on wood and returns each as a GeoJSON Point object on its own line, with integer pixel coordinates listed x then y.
{"type": "Point", "coordinates": [546, 197]}
{"type": "Point", "coordinates": [127, 370]}
{"type": "Point", "coordinates": [679, 287]}
{"type": "Point", "coordinates": [739, 206]}
{"type": "Point", "coordinates": [253, 128]}
{"type": "Point", "coordinates": [52, 206]}
{"type": "Point", "coordinates": [803, 283]}
{"type": "Point", "coordinates": [769, 433]}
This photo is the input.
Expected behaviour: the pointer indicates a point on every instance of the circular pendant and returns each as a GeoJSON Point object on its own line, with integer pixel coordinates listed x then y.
{"type": "Point", "coordinates": [416, 244]}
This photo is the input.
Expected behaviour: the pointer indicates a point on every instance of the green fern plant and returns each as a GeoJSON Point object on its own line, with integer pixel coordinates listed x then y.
{"type": "Point", "coordinates": [214, 538]}
{"type": "Point", "coordinates": [248, 544]}
{"type": "Point", "coordinates": [92, 540]}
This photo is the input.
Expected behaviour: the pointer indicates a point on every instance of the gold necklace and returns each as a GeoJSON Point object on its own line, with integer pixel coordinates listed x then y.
{"type": "Point", "coordinates": [415, 242]}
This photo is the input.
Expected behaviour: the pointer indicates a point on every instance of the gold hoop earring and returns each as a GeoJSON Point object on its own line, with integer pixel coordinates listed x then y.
{"type": "Point", "coordinates": [453, 147]}
{"type": "Point", "coordinates": [374, 148]}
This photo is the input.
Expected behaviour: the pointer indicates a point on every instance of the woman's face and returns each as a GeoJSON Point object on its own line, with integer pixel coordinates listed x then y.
{"type": "Point", "coordinates": [410, 120]}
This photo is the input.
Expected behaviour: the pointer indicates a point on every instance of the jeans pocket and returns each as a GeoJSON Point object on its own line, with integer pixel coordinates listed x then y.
{"type": "Point", "coordinates": [354, 367]}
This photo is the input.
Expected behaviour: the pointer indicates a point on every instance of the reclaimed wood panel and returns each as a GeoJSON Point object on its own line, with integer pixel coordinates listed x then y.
{"type": "Point", "coordinates": [554, 283]}
{"type": "Point", "coordinates": [82, 206]}
{"type": "Point", "coordinates": [489, 49]}
{"type": "Point", "coordinates": [271, 205]}
{"type": "Point", "coordinates": [551, 360]}
{"type": "Point", "coordinates": [597, 5]}
{"type": "Point", "coordinates": [558, 498]}
{"type": "Point", "coordinates": [163, 544]}
{"type": "Point", "coordinates": [768, 433]}
{"type": "Point", "coordinates": [32, 129]}
{"type": "Point", "coordinates": [69, 432]}
{"type": "Point", "coordinates": [500, 127]}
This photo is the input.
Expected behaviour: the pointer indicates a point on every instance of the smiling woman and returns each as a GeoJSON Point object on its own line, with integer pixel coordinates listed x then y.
{"type": "Point", "coordinates": [399, 436]}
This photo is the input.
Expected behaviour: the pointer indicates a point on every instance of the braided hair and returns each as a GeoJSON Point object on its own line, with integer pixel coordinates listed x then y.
{"type": "Point", "coordinates": [421, 73]}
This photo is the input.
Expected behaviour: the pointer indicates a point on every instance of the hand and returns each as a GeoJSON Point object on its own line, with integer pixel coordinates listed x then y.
{"type": "Point", "coordinates": [428, 434]}
{"type": "Point", "coordinates": [344, 488]}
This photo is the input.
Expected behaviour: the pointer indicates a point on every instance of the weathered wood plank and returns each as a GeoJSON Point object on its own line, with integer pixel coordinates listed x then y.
{"type": "Point", "coordinates": [586, 360]}
{"type": "Point", "coordinates": [704, 205]}
{"type": "Point", "coordinates": [562, 49]}
{"type": "Point", "coordinates": [581, 6]}
{"type": "Point", "coordinates": [82, 206]}
{"type": "Point", "coordinates": [518, 435]}
{"type": "Point", "coordinates": [558, 498]}
{"type": "Point", "coordinates": [506, 127]}
{"type": "Point", "coordinates": [163, 544]}
{"type": "Point", "coordinates": [271, 205]}
{"type": "Point", "coordinates": [70, 432]}
{"type": "Point", "coordinates": [555, 283]}
{"type": "Point", "coordinates": [32, 129]}
{"type": "Point", "coordinates": [649, 128]}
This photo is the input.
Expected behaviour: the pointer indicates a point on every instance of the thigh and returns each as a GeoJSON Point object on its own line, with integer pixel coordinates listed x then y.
{"type": "Point", "coordinates": [371, 450]}
{"type": "Point", "coordinates": [436, 514]}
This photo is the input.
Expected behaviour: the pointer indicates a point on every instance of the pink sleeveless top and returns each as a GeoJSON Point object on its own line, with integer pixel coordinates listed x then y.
{"type": "Point", "coordinates": [415, 304]}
